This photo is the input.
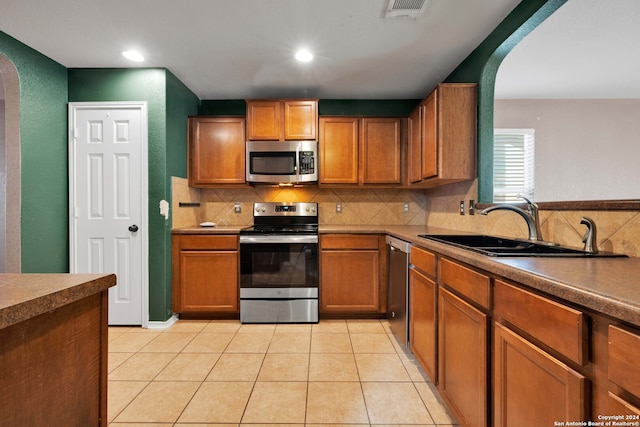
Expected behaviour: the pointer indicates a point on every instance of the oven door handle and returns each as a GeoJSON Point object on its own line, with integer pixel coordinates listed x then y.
{"type": "Point", "coordinates": [284, 238]}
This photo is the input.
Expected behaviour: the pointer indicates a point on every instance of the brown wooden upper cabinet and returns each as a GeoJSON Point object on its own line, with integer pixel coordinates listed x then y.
{"type": "Point", "coordinates": [216, 151]}
{"type": "Point", "coordinates": [282, 120]}
{"type": "Point", "coordinates": [360, 151]}
{"type": "Point", "coordinates": [442, 136]}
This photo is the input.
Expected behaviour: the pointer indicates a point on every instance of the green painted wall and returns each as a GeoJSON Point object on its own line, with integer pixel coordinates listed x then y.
{"type": "Point", "coordinates": [481, 67]}
{"type": "Point", "coordinates": [326, 107]}
{"type": "Point", "coordinates": [166, 100]}
{"type": "Point", "coordinates": [43, 146]}
{"type": "Point", "coordinates": [181, 102]}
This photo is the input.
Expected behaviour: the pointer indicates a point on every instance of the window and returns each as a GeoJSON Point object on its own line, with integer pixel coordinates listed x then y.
{"type": "Point", "coordinates": [513, 158]}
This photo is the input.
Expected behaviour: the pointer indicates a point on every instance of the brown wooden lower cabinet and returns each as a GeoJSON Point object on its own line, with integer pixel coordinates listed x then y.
{"type": "Point", "coordinates": [623, 371]}
{"type": "Point", "coordinates": [422, 321]}
{"type": "Point", "coordinates": [351, 275]}
{"type": "Point", "coordinates": [532, 388]}
{"type": "Point", "coordinates": [205, 274]}
{"type": "Point", "coordinates": [463, 362]}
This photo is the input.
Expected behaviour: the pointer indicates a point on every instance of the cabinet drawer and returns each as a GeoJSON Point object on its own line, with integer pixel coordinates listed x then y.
{"type": "Point", "coordinates": [560, 327]}
{"type": "Point", "coordinates": [349, 241]}
{"type": "Point", "coordinates": [208, 242]}
{"type": "Point", "coordinates": [470, 283]}
{"type": "Point", "coordinates": [624, 353]}
{"type": "Point", "coordinates": [423, 260]}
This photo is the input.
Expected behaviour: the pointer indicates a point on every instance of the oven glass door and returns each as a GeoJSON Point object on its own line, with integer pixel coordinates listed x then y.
{"type": "Point", "coordinates": [278, 265]}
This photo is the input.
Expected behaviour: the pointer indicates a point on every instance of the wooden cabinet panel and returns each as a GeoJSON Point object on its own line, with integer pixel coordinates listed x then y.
{"type": "Point", "coordinates": [300, 120]}
{"type": "Point", "coordinates": [350, 281]}
{"type": "Point", "coordinates": [380, 151]}
{"type": "Point", "coordinates": [360, 151]}
{"type": "Point", "coordinates": [280, 120]}
{"type": "Point", "coordinates": [216, 151]}
{"type": "Point", "coordinates": [472, 284]}
{"type": "Point", "coordinates": [462, 359]}
{"type": "Point", "coordinates": [531, 387]}
{"type": "Point", "coordinates": [558, 326]}
{"type": "Point", "coordinates": [264, 120]}
{"type": "Point", "coordinates": [423, 260]}
{"type": "Point", "coordinates": [446, 137]}
{"type": "Point", "coordinates": [338, 149]}
{"type": "Point", "coordinates": [205, 274]}
{"type": "Point", "coordinates": [422, 321]}
{"type": "Point", "coordinates": [414, 149]}
{"type": "Point", "coordinates": [209, 281]}
{"type": "Point", "coordinates": [618, 406]}
{"type": "Point", "coordinates": [349, 241]}
{"type": "Point", "coordinates": [194, 242]}
{"type": "Point", "coordinates": [430, 125]}
{"type": "Point", "coordinates": [624, 354]}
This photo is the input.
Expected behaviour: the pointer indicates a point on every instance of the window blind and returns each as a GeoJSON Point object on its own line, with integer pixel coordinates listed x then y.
{"type": "Point", "coordinates": [513, 164]}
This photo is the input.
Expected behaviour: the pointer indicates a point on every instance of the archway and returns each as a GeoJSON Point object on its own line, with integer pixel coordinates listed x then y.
{"type": "Point", "coordinates": [10, 196]}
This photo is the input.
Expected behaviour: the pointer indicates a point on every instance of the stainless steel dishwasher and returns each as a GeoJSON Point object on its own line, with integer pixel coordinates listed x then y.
{"type": "Point", "coordinates": [398, 290]}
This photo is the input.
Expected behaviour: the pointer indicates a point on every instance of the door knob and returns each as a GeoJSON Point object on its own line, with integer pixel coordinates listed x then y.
{"type": "Point", "coordinates": [133, 228]}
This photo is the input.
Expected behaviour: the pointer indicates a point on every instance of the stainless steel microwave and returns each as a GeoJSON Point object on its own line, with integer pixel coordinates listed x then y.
{"type": "Point", "coordinates": [282, 162]}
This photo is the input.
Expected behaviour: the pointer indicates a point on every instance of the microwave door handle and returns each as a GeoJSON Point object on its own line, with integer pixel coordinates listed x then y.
{"type": "Point", "coordinates": [297, 165]}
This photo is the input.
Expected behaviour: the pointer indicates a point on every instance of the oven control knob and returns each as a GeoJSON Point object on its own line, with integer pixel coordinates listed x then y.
{"type": "Point", "coordinates": [257, 208]}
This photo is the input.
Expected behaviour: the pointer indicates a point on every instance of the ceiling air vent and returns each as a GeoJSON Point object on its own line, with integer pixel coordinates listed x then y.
{"type": "Point", "coordinates": [405, 8]}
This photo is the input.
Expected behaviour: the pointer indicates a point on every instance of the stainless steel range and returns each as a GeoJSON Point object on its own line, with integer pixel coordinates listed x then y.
{"type": "Point", "coordinates": [279, 264]}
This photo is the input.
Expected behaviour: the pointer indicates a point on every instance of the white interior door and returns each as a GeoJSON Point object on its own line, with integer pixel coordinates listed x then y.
{"type": "Point", "coordinates": [108, 201]}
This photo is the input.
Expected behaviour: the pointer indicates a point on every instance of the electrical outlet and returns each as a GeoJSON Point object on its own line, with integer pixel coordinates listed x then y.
{"type": "Point", "coordinates": [339, 207]}
{"type": "Point", "coordinates": [237, 207]}
{"type": "Point", "coordinates": [405, 207]}
{"type": "Point", "coordinates": [472, 207]}
{"type": "Point", "coordinates": [461, 207]}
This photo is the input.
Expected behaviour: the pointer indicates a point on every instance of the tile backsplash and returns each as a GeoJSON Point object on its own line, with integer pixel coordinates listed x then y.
{"type": "Point", "coordinates": [618, 231]}
{"type": "Point", "coordinates": [359, 206]}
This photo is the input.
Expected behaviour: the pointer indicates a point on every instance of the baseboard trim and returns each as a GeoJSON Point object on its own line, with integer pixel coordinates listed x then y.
{"type": "Point", "coordinates": [162, 325]}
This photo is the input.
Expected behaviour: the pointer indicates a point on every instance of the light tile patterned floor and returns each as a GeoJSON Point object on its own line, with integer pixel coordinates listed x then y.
{"type": "Point", "coordinates": [222, 373]}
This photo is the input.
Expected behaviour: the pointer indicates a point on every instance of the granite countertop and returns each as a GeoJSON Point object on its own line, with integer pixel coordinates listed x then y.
{"type": "Point", "coordinates": [610, 286]}
{"type": "Point", "coordinates": [23, 296]}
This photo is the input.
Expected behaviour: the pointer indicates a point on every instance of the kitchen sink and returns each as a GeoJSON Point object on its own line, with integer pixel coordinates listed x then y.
{"type": "Point", "coordinates": [504, 247]}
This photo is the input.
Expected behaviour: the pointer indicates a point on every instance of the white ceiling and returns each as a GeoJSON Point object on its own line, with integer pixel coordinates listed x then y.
{"type": "Point", "coordinates": [244, 48]}
{"type": "Point", "coordinates": [586, 49]}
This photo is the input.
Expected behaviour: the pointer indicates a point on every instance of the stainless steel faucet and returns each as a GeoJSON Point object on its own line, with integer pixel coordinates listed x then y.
{"type": "Point", "coordinates": [530, 215]}
{"type": "Point", "coordinates": [590, 238]}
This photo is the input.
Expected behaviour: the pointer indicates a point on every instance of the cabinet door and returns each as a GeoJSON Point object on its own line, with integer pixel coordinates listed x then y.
{"type": "Point", "coordinates": [300, 120]}
{"type": "Point", "coordinates": [338, 148]}
{"type": "Point", "coordinates": [414, 153]}
{"type": "Point", "coordinates": [531, 387]}
{"type": "Point", "coordinates": [462, 362]}
{"type": "Point", "coordinates": [430, 131]}
{"type": "Point", "coordinates": [380, 151]}
{"type": "Point", "coordinates": [216, 151]}
{"type": "Point", "coordinates": [264, 120]}
{"type": "Point", "coordinates": [422, 321]}
{"type": "Point", "coordinates": [349, 281]}
{"type": "Point", "coordinates": [209, 281]}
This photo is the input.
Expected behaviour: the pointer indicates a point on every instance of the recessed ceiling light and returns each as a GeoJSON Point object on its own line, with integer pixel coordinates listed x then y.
{"type": "Point", "coordinates": [303, 55]}
{"type": "Point", "coordinates": [133, 55]}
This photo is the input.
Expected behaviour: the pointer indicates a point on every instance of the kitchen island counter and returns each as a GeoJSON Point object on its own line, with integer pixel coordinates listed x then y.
{"type": "Point", "coordinates": [53, 349]}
